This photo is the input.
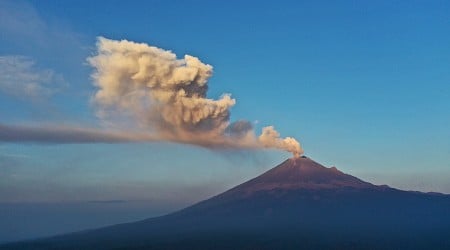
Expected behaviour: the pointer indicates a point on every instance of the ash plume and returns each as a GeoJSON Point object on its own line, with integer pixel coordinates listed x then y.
{"type": "Point", "coordinates": [144, 93]}
{"type": "Point", "coordinates": [166, 97]}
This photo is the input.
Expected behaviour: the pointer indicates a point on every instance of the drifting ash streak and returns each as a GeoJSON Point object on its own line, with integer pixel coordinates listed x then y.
{"type": "Point", "coordinates": [65, 134]}
{"type": "Point", "coordinates": [51, 134]}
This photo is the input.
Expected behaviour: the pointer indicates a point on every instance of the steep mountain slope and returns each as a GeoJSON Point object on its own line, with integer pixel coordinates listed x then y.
{"type": "Point", "coordinates": [302, 173]}
{"type": "Point", "coordinates": [298, 204]}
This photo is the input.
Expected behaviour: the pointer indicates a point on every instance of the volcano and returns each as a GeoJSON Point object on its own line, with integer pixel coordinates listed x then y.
{"type": "Point", "coordinates": [299, 204]}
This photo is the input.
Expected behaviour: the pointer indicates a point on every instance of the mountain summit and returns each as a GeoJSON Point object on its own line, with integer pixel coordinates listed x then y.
{"type": "Point", "coordinates": [298, 204]}
{"type": "Point", "coordinates": [303, 173]}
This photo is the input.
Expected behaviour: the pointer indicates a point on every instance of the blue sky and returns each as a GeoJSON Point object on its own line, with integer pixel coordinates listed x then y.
{"type": "Point", "coordinates": [363, 85]}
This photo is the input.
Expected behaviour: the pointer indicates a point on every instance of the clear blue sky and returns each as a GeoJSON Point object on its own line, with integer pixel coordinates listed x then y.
{"type": "Point", "coordinates": [364, 86]}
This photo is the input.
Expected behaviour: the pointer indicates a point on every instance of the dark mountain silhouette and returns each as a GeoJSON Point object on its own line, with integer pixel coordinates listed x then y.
{"type": "Point", "coordinates": [299, 204]}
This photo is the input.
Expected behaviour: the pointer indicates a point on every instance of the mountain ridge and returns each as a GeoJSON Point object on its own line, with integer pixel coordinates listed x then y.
{"type": "Point", "coordinates": [297, 204]}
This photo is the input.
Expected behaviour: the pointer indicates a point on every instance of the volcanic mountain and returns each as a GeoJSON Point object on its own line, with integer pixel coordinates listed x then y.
{"type": "Point", "coordinates": [299, 204]}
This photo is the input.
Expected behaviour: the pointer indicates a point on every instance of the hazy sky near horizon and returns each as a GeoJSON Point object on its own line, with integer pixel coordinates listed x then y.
{"type": "Point", "coordinates": [363, 85]}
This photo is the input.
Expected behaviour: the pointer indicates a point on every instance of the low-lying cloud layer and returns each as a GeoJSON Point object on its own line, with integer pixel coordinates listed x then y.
{"type": "Point", "coordinates": [148, 91]}
{"type": "Point", "coordinates": [166, 97]}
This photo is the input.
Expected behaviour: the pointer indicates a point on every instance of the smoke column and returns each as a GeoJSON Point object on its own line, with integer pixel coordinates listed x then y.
{"type": "Point", "coordinates": [166, 97]}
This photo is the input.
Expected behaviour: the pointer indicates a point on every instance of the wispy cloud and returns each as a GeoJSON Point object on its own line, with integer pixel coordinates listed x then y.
{"type": "Point", "coordinates": [20, 77]}
{"type": "Point", "coordinates": [22, 24]}
{"type": "Point", "coordinates": [20, 18]}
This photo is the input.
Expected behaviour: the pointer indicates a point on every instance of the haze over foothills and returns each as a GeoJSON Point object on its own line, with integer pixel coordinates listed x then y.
{"type": "Point", "coordinates": [160, 104]}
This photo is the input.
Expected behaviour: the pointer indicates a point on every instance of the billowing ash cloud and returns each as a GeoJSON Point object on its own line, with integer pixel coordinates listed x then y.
{"type": "Point", "coordinates": [166, 97]}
